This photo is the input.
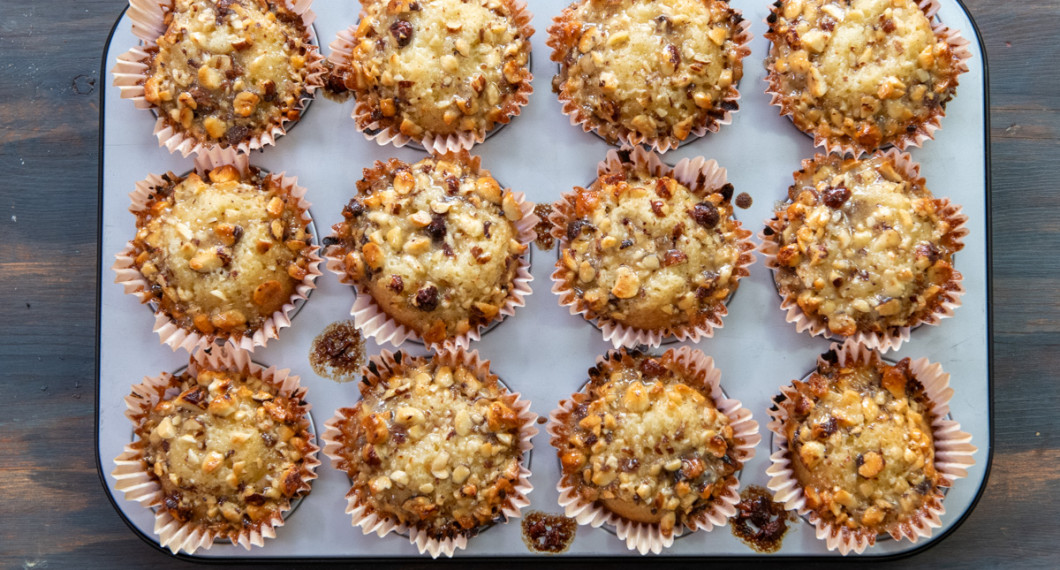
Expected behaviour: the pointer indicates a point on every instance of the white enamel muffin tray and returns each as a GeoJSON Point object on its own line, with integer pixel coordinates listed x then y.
{"type": "Point", "coordinates": [542, 351]}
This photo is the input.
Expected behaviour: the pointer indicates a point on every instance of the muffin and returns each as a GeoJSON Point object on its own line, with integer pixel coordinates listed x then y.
{"type": "Point", "coordinates": [221, 450]}
{"type": "Point", "coordinates": [865, 74]}
{"type": "Point", "coordinates": [436, 246]}
{"type": "Point", "coordinates": [434, 448]}
{"type": "Point", "coordinates": [865, 448]}
{"type": "Point", "coordinates": [221, 74]}
{"type": "Point", "coordinates": [650, 251]}
{"type": "Point", "coordinates": [221, 254]}
{"type": "Point", "coordinates": [651, 445]}
{"type": "Point", "coordinates": [862, 249]}
{"type": "Point", "coordinates": [648, 71]}
{"type": "Point", "coordinates": [440, 73]}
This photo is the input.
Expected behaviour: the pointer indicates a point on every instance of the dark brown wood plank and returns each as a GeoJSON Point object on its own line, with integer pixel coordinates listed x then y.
{"type": "Point", "coordinates": [55, 512]}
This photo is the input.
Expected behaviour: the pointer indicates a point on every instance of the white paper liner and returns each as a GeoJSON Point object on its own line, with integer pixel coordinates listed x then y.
{"type": "Point", "coordinates": [953, 457]}
{"type": "Point", "coordinates": [169, 332]}
{"type": "Point", "coordinates": [132, 478]}
{"type": "Point", "coordinates": [626, 137]}
{"type": "Point", "coordinates": [370, 318]}
{"type": "Point", "coordinates": [373, 522]}
{"type": "Point", "coordinates": [924, 131]}
{"type": "Point", "coordinates": [695, 173]}
{"type": "Point", "coordinates": [893, 339]}
{"type": "Point", "coordinates": [373, 130]}
{"type": "Point", "coordinates": [644, 537]}
{"type": "Point", "coordinates": [131, 68]}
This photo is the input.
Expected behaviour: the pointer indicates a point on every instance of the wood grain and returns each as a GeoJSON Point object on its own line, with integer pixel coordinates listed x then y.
{"type": "Point", "coordinates": [55, 513]}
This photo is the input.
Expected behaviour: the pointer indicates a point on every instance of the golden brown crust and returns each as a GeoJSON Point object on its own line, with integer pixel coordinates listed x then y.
{"type": "Point", "coordinates": [432, 445]}
{"type": "Point", "coordinates": [434, 243]}
{"type": "Point", "coordinates": [644, 440]}
{"type": "Point", "coordinates": [861, 444]}
{"type": "Point", "coordinates": [861, 75]}
{"type": "Point", "coordinates": [649, 71]}
{"type": "Point", "coordinates": [439, 67]}
{"type": "Point", "coordinates": [863, 246]}
{"type": "Point", "coordinates": [642, 249]}
{"type": "Point", "coordinates": [220, 256]}
{"type": "Point", "coordinates": [227, 448]}
{"type": "Point", "coordinates": [226, 72]}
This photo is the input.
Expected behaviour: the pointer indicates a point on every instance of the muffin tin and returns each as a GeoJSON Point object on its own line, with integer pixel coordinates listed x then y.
{"type": "Point", "coordinates": [542, 351]}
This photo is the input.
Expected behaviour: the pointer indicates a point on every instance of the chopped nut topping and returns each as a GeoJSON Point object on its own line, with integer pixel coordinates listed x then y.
{"type": "Point", "coordinates": [638, 80]}
{"type": "Point", "coordinates": [651, 448]}
{"type": "Point", "coordinates": [451, 457]}
{"type": "Point", "coordinates": [864, 452]}
{"type": "Point", "coordinates": [863, 248]}
{"type": "Point", "coordinates": [442, 227]}
{"type": "Point", "coordinates": [207, 250]}
{"type": "Point", "coordinates": [864, 73]}
{"type": "Point", "coordinates": [210, 444]}
{"type": "Point", "coordinates": [455, 65]}
{"type": "Point", "coordinates": [239, 68]}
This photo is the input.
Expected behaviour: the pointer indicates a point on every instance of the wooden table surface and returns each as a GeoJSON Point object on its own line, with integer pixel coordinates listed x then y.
{"type": "Point", "coordinates": [53, 510]}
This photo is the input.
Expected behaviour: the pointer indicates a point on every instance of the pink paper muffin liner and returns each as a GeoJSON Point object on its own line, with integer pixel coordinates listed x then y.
{"type": "Point", "coordinates": [924, 131]}
{"type": "Point", "coordinates": [169, 332]}
{"type": "Point", "coordinates": [644, 537]}
{"type": "Point", "coordinates": [374, 322]}
{"type": "Point", "coordinates": [695, 173]}
{"type": "Point", "coordinates": [383, 366]}
{"type": "Point", "coordinates": [434, 143]}
{"type": "Point", "coordinates": [138, 484]}
{"type": "Point", "coordinates": [131, 71]}
{"type": "Point", "coordinates": [884, 341]}
{"type": "Point", "coordinates": [953, 457]}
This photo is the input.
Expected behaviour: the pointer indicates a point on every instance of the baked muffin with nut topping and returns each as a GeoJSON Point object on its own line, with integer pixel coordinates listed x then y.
{"type": "Point", "coordinates": [646, 441]}
{"type": "Point", "coordinates": [436, 244]}
{"type": "Point", "coordinates": [222, 252]}
{"type": "Point", "coordinates": [649, 71]}
{"type": "Point", "coordinates": [641, 248]}
{"type": "Point", "coordinates": [863, 74]}
{"type": "Point", "coordinates": [437, 72]}
{"type": "Point", "coordinates": [228, 449]}
{"type": "Point", "coordinates": [435, 446]}
{"type": "Point", "coordinates": [862, 247]}
{"type": "Point", "coordinates": [228, 73]}
{"type": "Point", "coordinates": [860, 442]}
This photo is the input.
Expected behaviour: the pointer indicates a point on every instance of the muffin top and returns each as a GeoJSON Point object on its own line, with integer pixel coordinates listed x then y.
{"type": "Point", "coordinates": [648, 69]}
{"type": "Point", "coordinates": [863, 246]}
{"type": "Point", "coordinates": [440, 66]}
{"type": "Point", "coordinates": [863, 73]}
{"type": "Point", "coordinates": [225, 72]}
{"type": "Point", "coordinates": [861, 443]}
{"type": "Point", "coordinates": [221, 255]}
{"type": "Point", "coordinates": [227, 449]}
{"type": "Point", "coordinates": [434, 446]}
{"type": "Point", "coordinates": [649, 252]}
{"type": "Point", "coordinates": [646, 443]}
{"type": "Point", "coordinates": [434, 243]}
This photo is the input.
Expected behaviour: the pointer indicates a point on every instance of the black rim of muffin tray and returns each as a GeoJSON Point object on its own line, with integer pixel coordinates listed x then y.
{"type": "Point", "coordinates": [296, 501]}
{"type": "Point", "coordinates": [314, 239]}
{"type": "Point", "coordinates": [933, 540]}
